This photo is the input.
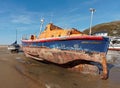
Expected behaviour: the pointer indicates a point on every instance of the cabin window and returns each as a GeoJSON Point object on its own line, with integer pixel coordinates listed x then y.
{"type": "Point", "coordinates": [59, 35]}
{"type": "Point", "coordinates": [32, 37]}
{"type": "Point", "coordinates": [52, 36]}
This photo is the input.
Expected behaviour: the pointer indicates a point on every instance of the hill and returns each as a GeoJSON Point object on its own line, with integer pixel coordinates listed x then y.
{"type": "Point", "coordinates": [112, 28]}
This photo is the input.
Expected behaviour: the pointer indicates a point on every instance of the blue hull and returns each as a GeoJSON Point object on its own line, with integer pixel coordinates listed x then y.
{"type": "Point", "coordinates": [70, 49]}
{"type": "Point", "coordinates": [79, 45]}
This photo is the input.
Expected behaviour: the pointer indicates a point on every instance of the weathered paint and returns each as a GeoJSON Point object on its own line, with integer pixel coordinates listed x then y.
{"type": "Point", "coordinates": [64, 56]}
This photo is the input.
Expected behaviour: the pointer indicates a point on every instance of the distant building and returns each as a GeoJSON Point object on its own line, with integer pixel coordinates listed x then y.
{"type": "Point", "coordinates": [103, 33]}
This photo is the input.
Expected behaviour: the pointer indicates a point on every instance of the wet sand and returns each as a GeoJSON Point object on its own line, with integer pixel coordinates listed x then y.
{"type": "Point", "coordinates": [13, 73]}
{"type": "Point", "coordinates": [17, 71]}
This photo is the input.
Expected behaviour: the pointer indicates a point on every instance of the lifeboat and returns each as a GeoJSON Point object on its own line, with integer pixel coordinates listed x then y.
{"type": "Point", "coordinates": [68, 46]}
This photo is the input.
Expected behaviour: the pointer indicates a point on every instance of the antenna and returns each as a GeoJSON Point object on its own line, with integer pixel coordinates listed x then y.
{"type": "Point", "coordinates": [41, 25]}
{"type": "Point", "coordinates": [16, 35]}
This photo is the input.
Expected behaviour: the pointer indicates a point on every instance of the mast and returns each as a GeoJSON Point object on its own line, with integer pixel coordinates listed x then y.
{"type": "Point", "coordinates": [41, 25]}
{"type": "Point", "coordinates": [92, 10]}
{"type": "Point", "coordinates": [16, 35]}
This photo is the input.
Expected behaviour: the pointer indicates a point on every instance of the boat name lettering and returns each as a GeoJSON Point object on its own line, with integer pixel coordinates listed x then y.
{"type": "Point", "coordinates": [87, 42]}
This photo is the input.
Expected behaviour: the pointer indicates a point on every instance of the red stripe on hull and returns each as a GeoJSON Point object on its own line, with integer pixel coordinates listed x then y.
{"type": "Point", "coordinates": [66, 38]}
{"type": "Point", "coordinates": [114, 49]}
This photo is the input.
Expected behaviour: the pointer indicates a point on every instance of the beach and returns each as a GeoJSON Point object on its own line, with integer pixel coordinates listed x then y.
{"type": "Point", "coordinates": [18, 71]}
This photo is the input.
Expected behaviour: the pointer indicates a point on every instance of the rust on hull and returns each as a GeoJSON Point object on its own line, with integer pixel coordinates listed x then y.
{"type": "Point", "coordinates": [70, 48]}
{"type": "Point", "coordinates": [63, 57]}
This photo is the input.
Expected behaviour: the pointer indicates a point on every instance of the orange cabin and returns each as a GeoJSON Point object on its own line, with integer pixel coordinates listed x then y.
{"type": "Point", "coordinates": [55, 31]}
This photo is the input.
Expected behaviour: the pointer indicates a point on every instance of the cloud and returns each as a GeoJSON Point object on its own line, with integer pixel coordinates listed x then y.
{"type": "Point", "coordinates": [74, 9]}
{"type": "Point", "coordinates": [23, 19]}
{"type": "Point", "coordinates": [90, 2]}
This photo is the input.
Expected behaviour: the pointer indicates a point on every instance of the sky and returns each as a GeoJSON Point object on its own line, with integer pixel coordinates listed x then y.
{"type": "Point", "coordinates": [24, 16]}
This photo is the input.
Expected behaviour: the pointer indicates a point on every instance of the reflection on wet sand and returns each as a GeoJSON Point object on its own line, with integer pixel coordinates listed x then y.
{"type": "Point", "coordinates": [17, 71]}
